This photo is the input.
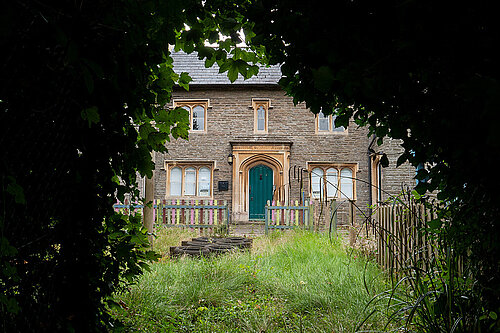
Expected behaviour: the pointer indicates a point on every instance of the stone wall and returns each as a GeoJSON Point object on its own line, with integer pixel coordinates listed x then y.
{"type": "Point", "coordinates": [231, 118]}
{"type": "Point", "coordinates": [395, 180]}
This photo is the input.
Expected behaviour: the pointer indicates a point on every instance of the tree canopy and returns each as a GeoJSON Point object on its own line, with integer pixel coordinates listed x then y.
{"type": "Point", "coordinates": [424, 72]}
{"type": "Point", "coordinates": [83, 81]}
{"type": "Point", "coordinates": [77, 80]}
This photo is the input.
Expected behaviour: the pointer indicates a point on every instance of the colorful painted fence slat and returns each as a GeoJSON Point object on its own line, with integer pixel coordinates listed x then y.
{"type": "Point", "coordinates": [128, 207]}
{"type": "Point", "coordinates": [183, 213]}
{"type": "Point", "coordinates": [280, 216]}
{"type": "Point", "coordinates": [192, 213]}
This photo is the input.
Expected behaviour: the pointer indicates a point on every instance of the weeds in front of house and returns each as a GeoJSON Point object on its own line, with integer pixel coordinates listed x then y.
{"type": "Point", "coordinates": [433, 289]}
{"type": "Point", "coordinates": [290, 282]}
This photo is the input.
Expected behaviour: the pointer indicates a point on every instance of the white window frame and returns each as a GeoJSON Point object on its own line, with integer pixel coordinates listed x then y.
{"type": "Point", "coordinates": [257, 103]}
{"type": "Point", "coordinates": [331, 125]}
{"type": "Point", "coordinates": [339, 193]}
{"type": "Point", "coordinates": [179, 182]}
{"type": "Point", "coordinates": [183, 168]}
{"type": "Point", "coordinates": [315, 182]}
{"type": "Point", "coordinates": [190, 105]}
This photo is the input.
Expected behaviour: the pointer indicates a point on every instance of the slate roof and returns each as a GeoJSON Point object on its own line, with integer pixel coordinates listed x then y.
{"type": "Point", "coordinates": [190, 63]}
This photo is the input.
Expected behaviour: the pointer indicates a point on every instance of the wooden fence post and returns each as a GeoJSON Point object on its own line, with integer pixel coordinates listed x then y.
{"type": "Point", "coordinates": [148, 210]}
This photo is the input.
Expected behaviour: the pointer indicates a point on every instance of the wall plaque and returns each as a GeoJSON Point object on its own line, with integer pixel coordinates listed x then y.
{"type": "Point", "coordinates": [223, 185]}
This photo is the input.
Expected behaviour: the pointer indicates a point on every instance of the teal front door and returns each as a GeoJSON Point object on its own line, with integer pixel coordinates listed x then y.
{"type": "Point", "coordinates": [260, 190]}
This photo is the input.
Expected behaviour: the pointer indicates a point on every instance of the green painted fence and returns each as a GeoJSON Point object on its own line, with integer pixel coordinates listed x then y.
{"type": "Point", "coordinates": [279, 216]}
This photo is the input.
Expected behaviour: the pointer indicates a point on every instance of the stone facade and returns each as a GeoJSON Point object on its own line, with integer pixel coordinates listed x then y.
{"type": "Point", "coordinates": [291, 145]}
{"type": "Point", "coordinates": [394, 180]}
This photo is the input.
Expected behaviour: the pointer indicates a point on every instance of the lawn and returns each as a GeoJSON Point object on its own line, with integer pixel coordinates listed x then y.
{"type": "Point", "coordinates": [289, 282]}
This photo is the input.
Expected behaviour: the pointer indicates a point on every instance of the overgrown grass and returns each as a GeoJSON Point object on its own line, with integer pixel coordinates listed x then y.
{"type": "Point", "coordinates": [289, 282]}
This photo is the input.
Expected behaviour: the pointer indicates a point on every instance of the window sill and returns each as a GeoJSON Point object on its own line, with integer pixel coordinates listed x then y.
{"type": "Point", "coordinates": [188, 198]}
{"type": "Point", "coordinates": [336, 199]}
{"type": "Point", "coordinates": [332, 133]}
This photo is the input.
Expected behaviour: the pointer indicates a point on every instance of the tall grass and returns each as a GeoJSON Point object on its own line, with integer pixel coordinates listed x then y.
{"type": "Point", "coordinates": [289, 282]}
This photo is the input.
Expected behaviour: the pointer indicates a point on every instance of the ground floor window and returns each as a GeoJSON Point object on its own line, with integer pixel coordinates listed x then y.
{"type": "Point", "coordinates": [329, 181]}
{"type": "Point", "coordinates": [189, 180]}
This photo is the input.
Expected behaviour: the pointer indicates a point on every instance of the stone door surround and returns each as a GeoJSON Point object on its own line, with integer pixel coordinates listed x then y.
{"type": "Point", "coordinates": [247, 154]}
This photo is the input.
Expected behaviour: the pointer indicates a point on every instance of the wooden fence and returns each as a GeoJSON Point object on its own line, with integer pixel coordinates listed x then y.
{"type": "Point", "coordinates": [192, 213]}
{"type": "Point", "coordinates": [127, 207]}
{"type": "Point", "coordinates": [184, 213]}
{"type": "Point", "coordinates": [401, 237]}
{"type": "Point", "coordinates": [280, 216]}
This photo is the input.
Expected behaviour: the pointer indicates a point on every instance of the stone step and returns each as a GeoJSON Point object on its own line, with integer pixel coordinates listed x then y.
{"type": "Point", "coordinates": [247, 229]}
{"type": "Point", "coordinates": [249, 222]}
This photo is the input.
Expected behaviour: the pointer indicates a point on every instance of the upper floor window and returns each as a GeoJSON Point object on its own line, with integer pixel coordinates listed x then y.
{"type": "Point", "coordinates": [261, 110]}
{"type": "Point", "coordinates": [197, 113]}
{"type": "Point", "coordinates": [326, 124]}
{"type": "Point", "coordinates": [189, 180]}
{"type": "Point", "coordinates": [330, 181]}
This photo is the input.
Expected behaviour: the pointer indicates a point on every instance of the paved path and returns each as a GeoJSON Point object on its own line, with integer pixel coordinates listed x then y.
{"type": "Point", "coordinates": [247, 229]}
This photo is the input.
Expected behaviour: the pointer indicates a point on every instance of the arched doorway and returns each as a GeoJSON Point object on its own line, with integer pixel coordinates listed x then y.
{"type": "Point", "coordinates": [246, 156]}
{"type": "Point", "coordinates": [260, 190]}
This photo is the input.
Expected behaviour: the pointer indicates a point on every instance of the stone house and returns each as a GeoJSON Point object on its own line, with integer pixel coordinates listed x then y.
{"type": "Point", "coordinates": [249, 143]}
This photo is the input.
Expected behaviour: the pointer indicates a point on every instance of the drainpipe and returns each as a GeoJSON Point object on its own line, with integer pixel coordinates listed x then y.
{"type": "Point", "coordinates": [370, 172]}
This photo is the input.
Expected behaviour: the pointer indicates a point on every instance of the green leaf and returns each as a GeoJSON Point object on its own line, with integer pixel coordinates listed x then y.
{"type": "Point", "coordinates": [184, 80]}
{"type": "Point", "coordinates": [145, 130]}
{"type": "Point", "coordinates": [205, 52]}
{"type": "Point", "coordinates": [115, 179]}
{"type": "Point", "coordinates": [493, 315]}
{"type": "Point", "coordinates": [416, 195]}
{"type": "Point", "coordinates": [6, 248]}
{"type": "Point", "coordinates": [225, 64]}
{"type": "Point", "coordinates": [381, 131]}
{"type": "Point", "coordinates": [401, 159]}
{"type": "Point", "coordinates": [342, 120]}
{"type": "Point", "coordinates": [384, 161]}
{"type": "Point", "coordinates": [435, 224]}
{"type": "Point", "coordinates": [323, 78]}
{"type": "Point", "coordinates": [16, 190]}
{"type": "Point", "coordinates": [91, 115]}
{"type": "Point", "coordinates": [89, 81]}
{"type": "Point", "coordinates": [209, 62]}
{"type": "Point", "coordinates": [421, 174]}
{"type": "Point", "coordinates": [421, 188]}
{"type": "Point", "coordinates": [252, 71]}
{"type": "Point", "coordinates": [232, 73]}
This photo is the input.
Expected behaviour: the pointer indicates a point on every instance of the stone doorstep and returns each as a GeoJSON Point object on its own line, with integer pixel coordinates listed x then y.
{"type": "Point", "coordinates": [247, 228]}
{"type": "Point", "coordinates": [249, 222]}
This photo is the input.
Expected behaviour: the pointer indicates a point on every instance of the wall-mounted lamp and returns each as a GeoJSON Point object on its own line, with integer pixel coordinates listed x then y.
{"type": "Point", "coordinates": [230, 159]}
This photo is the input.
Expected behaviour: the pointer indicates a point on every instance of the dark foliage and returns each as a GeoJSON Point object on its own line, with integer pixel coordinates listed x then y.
{"type": "Point", "coordinates": [425, 72]}
{"type": "Point", "coordinates": [74, 77]}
